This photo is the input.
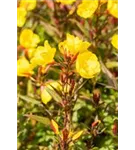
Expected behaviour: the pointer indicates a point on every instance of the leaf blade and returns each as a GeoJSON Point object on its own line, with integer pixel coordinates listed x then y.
{"type": "Point", "coordinates": [43, 120]}
{"type": "Point", "coordinates": [54, 95]}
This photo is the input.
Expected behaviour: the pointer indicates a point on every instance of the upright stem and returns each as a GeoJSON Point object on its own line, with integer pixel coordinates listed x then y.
{"type": "Point", "coordinates": [67, 120]}
{"type": "Point", "coordinates": [68, 83]}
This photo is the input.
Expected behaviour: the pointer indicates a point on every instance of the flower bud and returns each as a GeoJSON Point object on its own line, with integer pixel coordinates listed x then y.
{"type": "Point", "coordinates": [65, 134]}
{"type": "Point", "coordinates": [96, 96]}
{"type": "Point", "coordinates": [115, 129]}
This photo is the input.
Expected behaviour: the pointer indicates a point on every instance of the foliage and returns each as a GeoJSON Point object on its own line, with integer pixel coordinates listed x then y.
{"type": "Point", "coordinates": [67, 74]}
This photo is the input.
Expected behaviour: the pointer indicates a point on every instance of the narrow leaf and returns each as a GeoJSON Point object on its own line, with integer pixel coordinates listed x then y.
{"type": "Point", "coordinates": [54, 94]}
{"type": "Point", "coordinates": [110, 78]}
{"type": "Point", "coordinates": [44, 120]}
{"type": "Point", "coordinates": [112, 64]}
{"type": "Point", "coordinates": [29, 99]}
{"type": "Point", "coordinates": [80, 27]}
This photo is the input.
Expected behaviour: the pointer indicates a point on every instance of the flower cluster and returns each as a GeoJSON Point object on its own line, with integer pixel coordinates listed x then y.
{"type": "Point", "coordinates": [88, 7]}
{"type": "Point", "coordinates": [87, 64]}
{"type": "Point", "coordinates": [24, 7]}
{"type": "Point", "coordinates": [38, 55]}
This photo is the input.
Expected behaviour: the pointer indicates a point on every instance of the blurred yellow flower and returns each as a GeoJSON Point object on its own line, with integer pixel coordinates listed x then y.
{"type": "Point", "coordinates": [43, 55]}
{"type": "Point", "coordinates": [28, 39]}
{"type": "Point", "coordinates": [24, 68]}
{"type": "Point", "coordinates": [103, 1]}
{"type": "Point", "coordinates": [115, 41]}
{"type": "Point", "coordinates": [65, 1]}
{"type": "Point", "coordinates": [87, 8]}
{"type": "Point", "coordinates": [21, 16]}
{"type": "Point", "coordinates": [28, 4]}
{"type": "Point", "coordinates": [45, 96]}
{"type": "Point", "coordinates": [31, 52]}
{"type": "Point", "coordinates": [87, 65]}
{"type": "Point", "coordinates": [73, 45]}
{"type": "Point", "coordinates": [112, 7]}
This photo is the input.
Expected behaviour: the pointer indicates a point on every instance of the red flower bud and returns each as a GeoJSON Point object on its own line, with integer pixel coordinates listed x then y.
{"type": "Point", "coordinates": [96, 96]}
{"type": "Point", "coordinates": [65, 134]}
{"type": "Point", "coordinates": [95, 123]}
{"type": "Point", "coordinates": [115, 129]}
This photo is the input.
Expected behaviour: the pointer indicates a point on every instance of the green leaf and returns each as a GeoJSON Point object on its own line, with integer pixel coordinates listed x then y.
{"type": "Point", "coordinates": [29, 99]}
{"type": "Point", "coordinates": [30, 89]}
{"type": "Point", "coordinates": [108, 120]}
{"type": "Point", "coordinates": [54, 94]}
{"type": "Point", "coordinates": [110, 78]}
{"type": "Point", "coordinates": [95, 148]}
{"type": "Point", "coordinates": [101, 52]}
{"type": "Point", "coordinates": [109, 35]}
{"type": "Point", "coordinates": [44, 120]}
{"type": "Point", "coordinates": [112, 64]}
{"type": "Point", "coordinates": [104, 148]}
{"type": "Point", "coordinates": [86, 33]}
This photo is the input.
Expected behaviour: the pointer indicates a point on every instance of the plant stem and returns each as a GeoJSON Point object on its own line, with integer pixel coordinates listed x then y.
{"type": "Point", "coordinates": [67, 102]}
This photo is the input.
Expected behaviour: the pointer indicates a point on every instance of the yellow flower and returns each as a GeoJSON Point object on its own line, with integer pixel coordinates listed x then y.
{"type": "Point", "coordinates": [87, 8]}
{"type": "Point", "coordinates": [73, 45]}
{"type": "Point", "coordinates": [43, 55]}
{"type": "Point", "coordinates": [24, 68]}
{"type": "Point", "coordinates": [112, 7]}
{"type": "Point", "coordinates": [28, 4]}
{"type": "Point", "coordinates": [28, 39]}
{"type": "Point", "coordinates": [115, 41]}
{"type": "Point", "coordinates": [66, 1]}
{"type": "Point", "coordinates": [31, 52]}
{"type": "Point", "coordinates": [21, 16]}
{"type": "Point", "coordinates": [87, 65]}
{"type": "Point", "coordinates": [103, 1]}
{"type": "Point", "coordinates": [45, 96]}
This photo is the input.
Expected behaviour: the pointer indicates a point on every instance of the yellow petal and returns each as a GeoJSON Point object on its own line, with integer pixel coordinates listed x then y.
{"type": "Point", "coordinates": [31, 52]}
{"type": "Point", "coordinates": [45, 96]}
{"type": "Point", "coordinates": [112, 7]}
{"type": "Point", "coordinates": [24, 68]}
{"type": "Point", "coordinates": [66, 1]}
{"type": "Point", "coordinates": [87, 8]}
{"type": "Point", "coordinates": [55, 126]}
{"type": "Point", "coordinates": [115, 41]}
{"type": "Point", "coordinates": [35, 40]}
{"type": "Point", "coordinates": [103, 1]}
{"type": "Point", "coordinates": [77, 135]}
{"type": "Point", "coordinates": [28, 4]}
{"type": "Point", "coordinates": [71, 133]}
{"type": "Point", "coordinates": [21, 16]}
